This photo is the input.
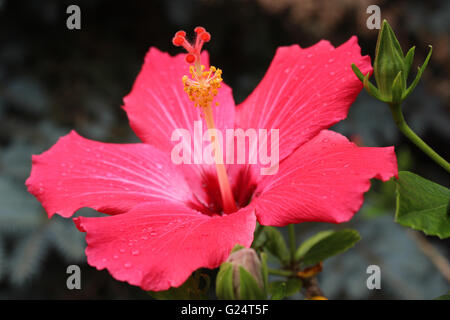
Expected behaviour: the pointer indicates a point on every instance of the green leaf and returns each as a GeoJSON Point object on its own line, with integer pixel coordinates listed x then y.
{"type": "Point", "coordinates": [249, 289]}
{"type": "Point", "coordinates": [224, 282]}
{"type": "Point", "coordinates": [276, 245]}
{"type": "Point", "coordinates": [293, 286]}
{"type": "Point", "coordinates": [307, 244]}
{"type": "Point", "coordinates": [326, 244]}
{"type": "Point", "coordinates": [189, 290]}
{"type": "Point", "coordinates": [422, 205]}
{"type": "Point", "coordinates": [443, 297]}
{"type": "Point", "coordinates": [278, 290]}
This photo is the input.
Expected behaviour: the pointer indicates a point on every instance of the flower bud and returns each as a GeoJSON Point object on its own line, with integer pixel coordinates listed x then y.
{"type": "Point", "coordinates": [389, 62]}
{"type": "Point", "coordinates": [240, 277]}
{"type": "Point", "coordinates": [391, 69]}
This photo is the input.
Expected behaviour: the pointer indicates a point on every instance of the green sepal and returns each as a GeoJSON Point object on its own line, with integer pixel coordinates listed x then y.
{"type": "Point", "coordinates": [418, 76]}
{"type": "Point", "coordinates": [224, 282]}
{"type": "Point", "coordinates": [409, 58]}
{"type": "Point", "coordinates": [249, 289]}
{"type": "Point", "coordinates": [265, 271]}
{"type": "Point", "coordinates": [370, 88]}
{"type": "Point", "coordinates": [398, 88]}
{"type": "Point", "coordinates": [237, 247]}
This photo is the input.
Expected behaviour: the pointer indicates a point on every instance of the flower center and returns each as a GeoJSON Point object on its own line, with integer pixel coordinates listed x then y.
{"type": "Point", "coordinates": [202, 87]}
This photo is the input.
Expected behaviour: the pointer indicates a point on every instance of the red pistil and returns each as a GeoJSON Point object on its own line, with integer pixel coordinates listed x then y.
{"type": "Point", "coordinates": [193, 50]}
{"type": "Point", "coordinates": [201, 89]}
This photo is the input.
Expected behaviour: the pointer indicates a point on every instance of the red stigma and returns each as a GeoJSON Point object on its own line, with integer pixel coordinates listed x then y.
{"type": "Point", "coordinates": [194, 48]}
{"type": "Point", "coordinates": [180, 33]}
{"type": "Point", "coordinates": [177, 41]}
{"type": "Point", "coordinates": [199, 30]}
{"type": "Point", "coordinates": [205, 36]}
{"type": "Point", "coordinates": [190, 58]}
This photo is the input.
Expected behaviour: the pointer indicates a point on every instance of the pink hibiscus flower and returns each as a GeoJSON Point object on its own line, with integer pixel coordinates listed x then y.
{"type": "Point", "coordinates": [167, 220]}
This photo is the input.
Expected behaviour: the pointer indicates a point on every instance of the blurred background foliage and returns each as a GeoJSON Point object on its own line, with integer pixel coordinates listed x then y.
{"type": "Point", "coordinates": [53, 80]}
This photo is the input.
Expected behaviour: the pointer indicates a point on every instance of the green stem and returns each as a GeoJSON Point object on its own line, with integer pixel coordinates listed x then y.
{"type": "Point", "coordinates": [258, 231]}
{"type": "Point", "coordinates": [292, 242]}
{"type": "Point", "coordinates": [407, 131]}
{"type": "Point", "coordinates": [283, 273]}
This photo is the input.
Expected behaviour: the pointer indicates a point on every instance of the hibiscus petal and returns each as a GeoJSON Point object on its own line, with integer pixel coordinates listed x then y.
{"type": "Point", "coordinates": [304, 91]}
{"type": "Point", "coordinates": [157, 246]}
{"type": "Point", "coordinates": [323, 180]}
{"type": "Point", "coordinates": [111, 178]}
{"type": "Point", "coordinates": [157, 104]}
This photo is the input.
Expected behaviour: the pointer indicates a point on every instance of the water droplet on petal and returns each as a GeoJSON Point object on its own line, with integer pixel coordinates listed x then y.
{"type": "Point", "coordinates": [127, 265]}
{"type": "Point", "coordinates": [115, 256]}
{"type": "Point", "coordinates": [135, 252]}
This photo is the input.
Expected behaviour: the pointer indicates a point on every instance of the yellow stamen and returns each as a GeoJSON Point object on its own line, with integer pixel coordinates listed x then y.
{"type": "Point", "coordinates": [203, 85]}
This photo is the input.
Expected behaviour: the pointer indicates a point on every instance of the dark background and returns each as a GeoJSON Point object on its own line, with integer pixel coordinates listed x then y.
{"type": "Point", "coordinates": [53, 80]}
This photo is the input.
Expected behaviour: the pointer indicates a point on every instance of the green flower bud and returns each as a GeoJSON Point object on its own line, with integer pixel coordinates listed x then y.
{"type": "Point", "coordinates": [389, 61]}
{"type": "Point", "coordinates": [240, 277]}
{"type": "Point", "coordinates": [391, 69]}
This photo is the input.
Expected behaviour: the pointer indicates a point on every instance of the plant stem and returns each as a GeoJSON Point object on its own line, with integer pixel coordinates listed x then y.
{"type": "Point", "coordinates": [414, 138]}
{"type": "Point", "coordinates": [292, 242]}
{"type": "Point", "coordinates": [258, 231]}
{"type": "Point", "coordinates": [283, 273]}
